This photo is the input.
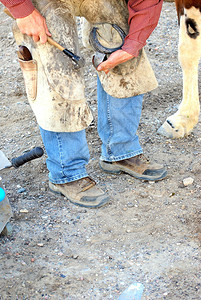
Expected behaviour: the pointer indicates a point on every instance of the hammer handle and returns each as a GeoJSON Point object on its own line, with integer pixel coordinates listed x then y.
{"type": "Point", "coordinates": [7, 11]}
{"type": "Point", "coordinates": [53, 43]}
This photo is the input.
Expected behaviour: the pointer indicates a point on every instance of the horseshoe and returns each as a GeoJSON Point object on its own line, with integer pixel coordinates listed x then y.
{"type": "Point", "coordinates": [97, 45]}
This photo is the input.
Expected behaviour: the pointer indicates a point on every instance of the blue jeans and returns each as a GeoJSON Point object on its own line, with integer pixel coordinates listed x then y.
{"type": "Point", "coordinates": [118, 120]}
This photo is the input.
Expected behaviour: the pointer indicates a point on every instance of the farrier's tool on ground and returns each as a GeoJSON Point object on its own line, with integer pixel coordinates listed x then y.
{"type": "Point", "coordinates": [5, 208]}
{"type": "Point", "coordinates": [77, 59]}
{"type": "Point", "coordinates": [102, 51]}
{"type": "Point", "coordinates": [20, 160]}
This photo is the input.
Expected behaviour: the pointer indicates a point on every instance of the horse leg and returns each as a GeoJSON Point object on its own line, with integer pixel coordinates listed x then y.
{"type": "Point", "coordinates": [183, 121]}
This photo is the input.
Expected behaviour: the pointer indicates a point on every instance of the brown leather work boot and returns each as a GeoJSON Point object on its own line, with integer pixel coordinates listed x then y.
{"type": "Point", "coordinates": [83, 192]}
{"type": "Point", "coordinates": [137, 166]}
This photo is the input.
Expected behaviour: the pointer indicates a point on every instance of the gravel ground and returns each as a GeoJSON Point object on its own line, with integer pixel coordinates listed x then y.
{"type": "Point", "coordinates": [149, 233]}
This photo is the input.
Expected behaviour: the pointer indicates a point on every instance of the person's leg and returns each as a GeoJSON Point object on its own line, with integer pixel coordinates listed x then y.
{"type": "Point", "coordinates": [118, 121]}
{"type": "Point", "coordinates": [68, 155]}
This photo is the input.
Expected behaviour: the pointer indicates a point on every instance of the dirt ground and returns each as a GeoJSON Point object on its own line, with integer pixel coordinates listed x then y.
{"type": "Point", "coordinates": [149, 232]}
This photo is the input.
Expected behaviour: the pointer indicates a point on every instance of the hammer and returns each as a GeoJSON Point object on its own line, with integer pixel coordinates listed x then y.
{"type": "Point", "coordinates": [77, 59]}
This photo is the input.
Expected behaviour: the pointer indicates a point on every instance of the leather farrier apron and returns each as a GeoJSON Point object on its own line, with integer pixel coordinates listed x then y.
{"type": "Point", "coordinates": [55, 88]}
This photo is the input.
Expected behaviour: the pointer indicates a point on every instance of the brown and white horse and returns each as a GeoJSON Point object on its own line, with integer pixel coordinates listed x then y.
{"type": "Point", "coordinates": [182, 122]}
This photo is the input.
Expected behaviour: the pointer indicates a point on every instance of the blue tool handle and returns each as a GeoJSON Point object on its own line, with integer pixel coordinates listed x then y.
{"type": "Point", "coordinates": [28, 156]}
{"type": "Point", "coordinates": [2, 194]}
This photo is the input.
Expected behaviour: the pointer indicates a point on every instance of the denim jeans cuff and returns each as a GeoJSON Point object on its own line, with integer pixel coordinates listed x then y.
{"type": "Point", "coordinates": [68, 178]}
{"type": "Point", "coordinates": [112, 158]}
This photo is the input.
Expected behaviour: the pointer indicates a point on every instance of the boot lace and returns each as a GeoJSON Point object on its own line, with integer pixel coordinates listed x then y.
{"type": "Point", "coordinates": [88, 183]}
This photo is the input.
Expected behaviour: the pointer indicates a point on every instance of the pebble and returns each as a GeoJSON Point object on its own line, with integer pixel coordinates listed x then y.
{"type": "Point", "coordinates": [10, 35]}
{"type": "Point", "coordinates": [21, 190]}
{"type": "Point", "coordinates": [130, 204]}
{"type": "Point", "coordinates": [151, 182]}
{"type": "Point", "coordinates": [188, 181]}
{"type": "Point", "coordinates": [25, 211]}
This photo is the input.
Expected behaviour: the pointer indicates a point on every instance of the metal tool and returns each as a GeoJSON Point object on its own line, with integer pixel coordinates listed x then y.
{"type": "Point", "coordinates": [5, 208]}
{"type": "Point", "coordinates": [77, 59]}
{"type": "Point", "coordinates": [98, 58]}
{"type": "Point", "coordinates": [20, 160]}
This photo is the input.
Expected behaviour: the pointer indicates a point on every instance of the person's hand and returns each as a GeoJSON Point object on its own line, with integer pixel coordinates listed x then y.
{"type": "Point", "coordinates": [116, 58]}
{"type": "Point", "coordinates": [34, 25]}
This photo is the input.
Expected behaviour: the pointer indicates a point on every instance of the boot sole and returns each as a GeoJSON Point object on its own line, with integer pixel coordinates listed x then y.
{"type": "Point", "coordinates": [114, 169]}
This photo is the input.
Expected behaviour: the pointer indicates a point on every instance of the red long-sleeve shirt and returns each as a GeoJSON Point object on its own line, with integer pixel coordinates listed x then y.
{"type": "Point", "coordinates": [143, 18]}
{"type": "Point", "coordinates": [19, 8]}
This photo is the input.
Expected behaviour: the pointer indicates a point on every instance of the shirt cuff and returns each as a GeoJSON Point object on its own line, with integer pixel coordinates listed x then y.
{"type": "Point", "coordinates": [22, 10]}
{"type": "Point", "coordinates": [132, 47]}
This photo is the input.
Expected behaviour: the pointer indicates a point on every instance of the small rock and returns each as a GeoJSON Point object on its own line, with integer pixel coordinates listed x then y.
{"type": "Point", "coordinates": [25, 211]}
{"type": "Point", "coordinates": [21, 190]}
{"type": "Point", "coordinates": [130, 204]}
{"type": "Point", "coordinates": [10, 35]}
{"type": "Point", "coordinates": [188, 181]}
{"type": "Point", "coordinates": [81, 278]}
{"type": "Point", "coordinates": [195, 168]}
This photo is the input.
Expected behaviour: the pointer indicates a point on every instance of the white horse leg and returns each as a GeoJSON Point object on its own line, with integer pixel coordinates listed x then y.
{"type": "Point", "coordinates": [182, 122]}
